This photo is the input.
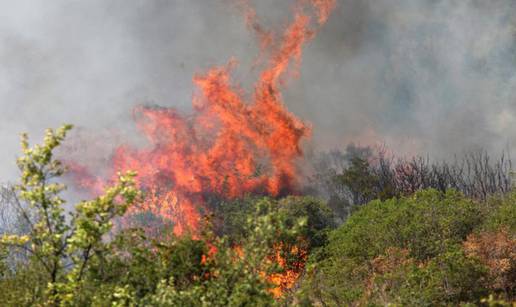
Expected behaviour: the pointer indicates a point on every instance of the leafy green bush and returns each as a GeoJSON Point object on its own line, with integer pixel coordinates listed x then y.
{"type": "Point", "coordinates": [425, 224]}
{"type": "Point", "coordinates": [417, 240]}
{"type": "Point", "coordinates": [63, 250]}
{"type": "Point", "coordinates": [502, 213]}
{"type": "Point", "coordinates": [230, 217]}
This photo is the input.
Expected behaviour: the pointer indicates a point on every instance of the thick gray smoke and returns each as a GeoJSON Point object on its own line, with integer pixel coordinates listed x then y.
{"type": "Point", "coordinates": [423, 76]}
{"type": "Point", "coordinates": [418, 75]}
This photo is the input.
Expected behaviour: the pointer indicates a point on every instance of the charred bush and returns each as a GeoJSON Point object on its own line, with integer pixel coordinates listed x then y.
{"type": "Point", "coordinates": [357, 176]}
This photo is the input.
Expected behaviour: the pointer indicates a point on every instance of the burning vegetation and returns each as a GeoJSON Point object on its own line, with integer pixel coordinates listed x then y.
{"type": "Point", "coordinates": [214, 211]}
{"type": "Point", "coordinates": [233, 144]}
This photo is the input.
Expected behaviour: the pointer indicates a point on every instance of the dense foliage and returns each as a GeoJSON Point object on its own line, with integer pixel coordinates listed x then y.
{"type": "Point", "coordinates": [431, 247]}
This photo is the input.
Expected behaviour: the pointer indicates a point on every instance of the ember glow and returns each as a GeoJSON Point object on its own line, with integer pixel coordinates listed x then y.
{"type": "Point", "coordinates": [290, 272]}
{"type": "Point", "coordinates": [287, 279]}
{"type": "Point", "coordinates": [231, 145]}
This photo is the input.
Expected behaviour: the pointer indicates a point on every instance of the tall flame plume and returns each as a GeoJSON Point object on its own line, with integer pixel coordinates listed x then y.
{"type": "Point", "coordinates": [231, 145]}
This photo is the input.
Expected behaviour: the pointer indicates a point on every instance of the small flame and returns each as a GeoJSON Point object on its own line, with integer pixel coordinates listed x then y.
{"type": "Point", "coordinates": [287, 279]}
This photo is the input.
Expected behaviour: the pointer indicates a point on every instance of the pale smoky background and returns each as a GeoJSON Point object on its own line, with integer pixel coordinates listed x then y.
{"type": "Point", "coordinates": [419, 76]}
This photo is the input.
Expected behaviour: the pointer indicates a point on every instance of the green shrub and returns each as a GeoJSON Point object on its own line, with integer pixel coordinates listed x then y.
{"type": "Point", "coordinates": [502, 213]}
{"type": "Point", "coordinates": [428, 226]}
{"type": "Point", "coordinates": [425, 224]}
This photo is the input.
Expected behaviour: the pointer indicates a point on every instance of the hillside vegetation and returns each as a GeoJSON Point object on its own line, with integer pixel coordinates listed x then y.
{"type": "Point", "coordinates": [371, 234]}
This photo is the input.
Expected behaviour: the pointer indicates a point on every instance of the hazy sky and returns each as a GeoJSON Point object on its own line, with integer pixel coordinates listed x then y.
{"type": "Point", "coordinates": [423, 76]}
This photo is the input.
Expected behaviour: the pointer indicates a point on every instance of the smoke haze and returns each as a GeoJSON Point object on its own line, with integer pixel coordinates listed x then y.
{"type": "Point", "coordinates": [421, 76]}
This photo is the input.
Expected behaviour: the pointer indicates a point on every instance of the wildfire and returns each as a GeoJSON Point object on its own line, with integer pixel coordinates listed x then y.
{"type": "Point", "coordinates": [229, 146]}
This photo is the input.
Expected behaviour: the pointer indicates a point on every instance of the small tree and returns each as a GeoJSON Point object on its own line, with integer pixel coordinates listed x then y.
{"type": "Point", "coordinates": [360, 181]}
{"type": "Point", "coordinates": [62, 247]}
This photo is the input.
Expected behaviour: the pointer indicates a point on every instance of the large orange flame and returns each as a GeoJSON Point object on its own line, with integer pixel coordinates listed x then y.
{"type": "Point", "coordinates": [230, 145]}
